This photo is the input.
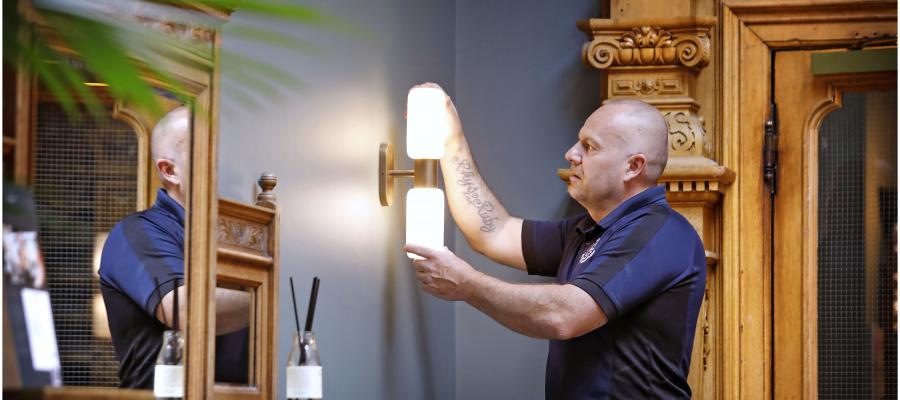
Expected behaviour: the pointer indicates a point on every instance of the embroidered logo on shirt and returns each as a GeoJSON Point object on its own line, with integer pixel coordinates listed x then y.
{"type": "Point", "coordinates": [589, 252]}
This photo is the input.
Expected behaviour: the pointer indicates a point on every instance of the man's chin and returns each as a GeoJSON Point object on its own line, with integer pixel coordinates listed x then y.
{"type": "Point", "coordinates": [573, 193]}
{"type": "Point", "coordinates": [574, 196]}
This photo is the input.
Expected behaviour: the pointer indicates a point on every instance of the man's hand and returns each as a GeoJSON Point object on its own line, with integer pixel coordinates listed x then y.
{"type": "Point", "coordinates": [548, 311]}
{"type": "Point", "coordinates": [441, 273]}
{"type": "Point", "coordinates": [483, 220]}
{"type": "Point", "coordinates": [454, 126]}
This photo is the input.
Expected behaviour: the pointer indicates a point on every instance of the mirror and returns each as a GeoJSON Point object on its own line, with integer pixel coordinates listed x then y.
{"type": "Point", "coordinates": [103, 269]}
{"type": "Point", "coordinates": [100, 182]}
{"type": "Point", "coordinates": [246, 292]}
{"type": "Point", "coordinates": [235, 334]}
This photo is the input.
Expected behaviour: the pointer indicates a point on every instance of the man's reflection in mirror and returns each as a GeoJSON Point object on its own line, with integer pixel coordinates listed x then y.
{"type": "Point", "coordinates": [143, 263]}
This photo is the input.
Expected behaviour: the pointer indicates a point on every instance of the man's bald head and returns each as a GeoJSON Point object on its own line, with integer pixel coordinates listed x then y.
{"type": "Point", "coordinates": [170, 135]}
{"type": "Point", "coordinates": [621, 151]}
{"type": "Point", "coordinates": [170, 147]}
{"type": "Point", "coordinates": [640, 128]}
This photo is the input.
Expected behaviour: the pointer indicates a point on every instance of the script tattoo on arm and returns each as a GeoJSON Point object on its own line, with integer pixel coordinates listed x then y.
{"type": "Point", "coordinates": [473, 194]}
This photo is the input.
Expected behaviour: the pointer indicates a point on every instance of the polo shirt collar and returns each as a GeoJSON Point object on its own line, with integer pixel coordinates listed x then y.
{"type": "Point", "coordinates": [643, 199]}
{"type": "Point", "coordinates": [164, 201]}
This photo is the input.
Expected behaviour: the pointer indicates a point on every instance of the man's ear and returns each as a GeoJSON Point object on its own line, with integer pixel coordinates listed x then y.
{"type": "Point", "coordinates": [167, 171]}
{"type": "Point", "coordinates": [635, 167]}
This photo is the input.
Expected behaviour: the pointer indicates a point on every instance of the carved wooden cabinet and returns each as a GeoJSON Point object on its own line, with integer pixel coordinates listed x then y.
{"type": "Point", "coordinates": [247, 256]}
{"type": "Point", "coordinates": [226, 243]}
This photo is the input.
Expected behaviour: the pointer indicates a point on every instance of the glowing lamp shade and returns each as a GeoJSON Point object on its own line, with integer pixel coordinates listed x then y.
{"type": "Point", "coordinates": [426, 123]}
{"type": "Point", "coordinates": [425, 218]}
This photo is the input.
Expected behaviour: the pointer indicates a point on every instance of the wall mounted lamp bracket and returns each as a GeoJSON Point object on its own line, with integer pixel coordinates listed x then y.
{"type": "Point", "coordinates": [424, 173]}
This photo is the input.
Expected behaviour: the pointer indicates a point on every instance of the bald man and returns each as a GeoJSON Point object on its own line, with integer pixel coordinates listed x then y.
{"type": "Point", "coordinates": [630, 272]}
{"type": "Point", "coordinates": [142, 265]}
{"type": "Point", "coordinates": [170, 149]}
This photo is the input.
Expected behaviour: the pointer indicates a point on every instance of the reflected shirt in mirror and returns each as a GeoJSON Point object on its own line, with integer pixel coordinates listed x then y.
{"type": "Point", "coordinates": [142, 249]}
{"type": "Point", "coordinates": [645, 267]}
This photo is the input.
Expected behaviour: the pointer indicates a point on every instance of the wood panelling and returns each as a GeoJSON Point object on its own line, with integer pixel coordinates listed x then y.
{"type": "Point", "coordinates": [200, 251]}
{"type": "Point", "coordinates": [808, 100]}
{"type": "Point", "coordinates": [750, 199]}
{"type": "Point", "coordinates": [793, 83]}
{"type": "Point", "coordinates": [74, 392]}
{"type": "Point", "coordinates": [750, 32]}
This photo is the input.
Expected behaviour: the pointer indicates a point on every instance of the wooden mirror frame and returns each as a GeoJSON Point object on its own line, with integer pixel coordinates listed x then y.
{"type": "Point", "coordinates": [247, 255]}
{"type": "Point", "coordinates": [197, 75]}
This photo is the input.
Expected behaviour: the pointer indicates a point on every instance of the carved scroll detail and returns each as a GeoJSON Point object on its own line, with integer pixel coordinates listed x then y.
{"type": "Point", "coordinates": [687, 135]}
{"type": "Point", "coordinates": [601, 52]}
{"type": "Point", "coordinates": [648, 45]}
{"type": "Point", "coordinates": [244, 234]}
{"type": "Point", "coordinates": [192, 23]}
{"type": "Point", "coordinates": [707, 347]}
{"type": "Point", "coordinates": [692, 51]}
{"type": "Point", "coordinates": [200, 36]}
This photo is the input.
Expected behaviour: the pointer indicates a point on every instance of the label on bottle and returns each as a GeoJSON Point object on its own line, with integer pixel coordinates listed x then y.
{"type": "Point", "coordinates": [168, 381]}
{"type": "Point", "coordinates": [304, 382]}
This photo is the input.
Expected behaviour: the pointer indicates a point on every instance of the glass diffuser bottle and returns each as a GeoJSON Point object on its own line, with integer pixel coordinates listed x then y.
{"type": "Point", "coordinates": [168, 376]}
{"type": "Point", "coordinates": [304, 372]}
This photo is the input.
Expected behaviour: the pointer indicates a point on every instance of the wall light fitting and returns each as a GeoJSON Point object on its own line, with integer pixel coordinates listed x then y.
{"type": "Point", "coordinates": [426, 130]}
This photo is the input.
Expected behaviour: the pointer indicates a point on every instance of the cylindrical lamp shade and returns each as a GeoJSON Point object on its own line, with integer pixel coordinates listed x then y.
{"type": "Point", "coordinates": [425, 218]}
{"type": "Point", "coordinates": [426, 123]}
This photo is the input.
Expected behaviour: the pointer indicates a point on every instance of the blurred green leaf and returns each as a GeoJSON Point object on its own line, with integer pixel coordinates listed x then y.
{"type": "Point", "coordinates": [116, 50]}
{"type": "Point", "coordinates": [280, 10]}
{"type": "Point", "coordinates": [241, 96]}
{"type": "Point", "coordinates": [50, 79]}
{"type": "Point", "coordinates": [272, 38]}
{"type": "Point", "coordinates": [108, 59]}
{"type": "Point", "coordinates": [75, 79]}
{"type": "Point", "coordinates": [241, 64]}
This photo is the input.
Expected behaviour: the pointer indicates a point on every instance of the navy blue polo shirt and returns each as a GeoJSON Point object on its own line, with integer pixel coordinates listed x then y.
{"type": "Point", "coordinates": [142, 261]}
{"type": "Point", "coordinates": [645, 267]}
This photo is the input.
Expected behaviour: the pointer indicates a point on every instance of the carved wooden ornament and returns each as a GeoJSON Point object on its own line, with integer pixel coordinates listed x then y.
{"type": "Point", "coordinates": [648, 45]}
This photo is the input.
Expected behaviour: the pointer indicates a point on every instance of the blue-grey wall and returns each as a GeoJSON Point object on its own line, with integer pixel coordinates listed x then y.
{"type": "Point", "coordinates": [523, 94]}
{"type": "Point", "coordinates": [515, 73]}
{"type": "Point", "coordinates": [379, 336]}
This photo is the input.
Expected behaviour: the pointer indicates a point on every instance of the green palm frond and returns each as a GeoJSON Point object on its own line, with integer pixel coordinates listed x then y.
{"type": "Point", "coordinates": [272, 38]}
{"type": "Point", "coordinates": [98, 46]}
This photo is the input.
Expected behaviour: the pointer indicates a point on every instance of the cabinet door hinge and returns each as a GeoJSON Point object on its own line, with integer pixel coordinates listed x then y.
{"type": "Point", "coordinates": [770, 150]}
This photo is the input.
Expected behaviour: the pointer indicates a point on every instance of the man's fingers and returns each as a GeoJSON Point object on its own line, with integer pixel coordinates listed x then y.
{"type": "Point", "coordinates": [420, 267]}
{"type": "Point", "coordinates": [419, 250]}
{"type": "Point", "coordinates": [429, 85]}
{"type": "Point", "coordinates": [419, 264]}
{"type": "Point", "coordinates": [423, 277]}
{"type": "Point", "coordinates": [433, 85]}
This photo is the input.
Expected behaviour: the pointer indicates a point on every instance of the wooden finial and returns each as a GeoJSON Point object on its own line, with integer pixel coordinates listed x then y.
{"type": "Point", "coordinates": [266, 198]}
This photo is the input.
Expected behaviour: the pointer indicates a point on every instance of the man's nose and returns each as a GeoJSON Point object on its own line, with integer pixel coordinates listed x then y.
{"type": "Point", "coordinates": [572, 154]}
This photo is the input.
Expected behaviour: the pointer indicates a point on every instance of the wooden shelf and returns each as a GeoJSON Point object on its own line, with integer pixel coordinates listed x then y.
{"type": "Point", "coordinates": [75, 392]}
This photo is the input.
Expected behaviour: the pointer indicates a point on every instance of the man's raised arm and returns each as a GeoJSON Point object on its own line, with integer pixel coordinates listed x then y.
{"type": "Point", "coordinates": [232, 309]}
{"type": "Point", "coordinates": [488, 228]}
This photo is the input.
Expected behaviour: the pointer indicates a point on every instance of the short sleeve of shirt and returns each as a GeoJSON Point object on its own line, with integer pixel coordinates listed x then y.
{"type": "Point", "coordinates": [543, 244]}
{"type": "Point", "coordinates": [143, 261]}
{"type": "Point", "coordinates": [635, 264]}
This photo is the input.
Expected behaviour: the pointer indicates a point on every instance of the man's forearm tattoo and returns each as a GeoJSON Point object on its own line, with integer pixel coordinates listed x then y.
{"type": "Point", "coordinates": [472, 194]}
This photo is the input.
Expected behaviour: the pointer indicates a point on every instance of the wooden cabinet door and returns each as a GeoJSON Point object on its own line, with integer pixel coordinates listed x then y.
{"type": "Point", "coordinates": [834, 227]}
